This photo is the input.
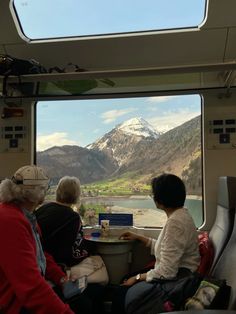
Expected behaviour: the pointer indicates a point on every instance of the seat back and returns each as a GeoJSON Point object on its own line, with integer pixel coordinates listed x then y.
{"type": "Point", "coordinates": [223, 225]}
{"type": "Point", "coordinates": [226, 267]}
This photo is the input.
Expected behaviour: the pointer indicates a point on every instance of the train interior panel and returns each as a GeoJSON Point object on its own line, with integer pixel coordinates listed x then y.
{"type": "Point", "coordinates": [70, 119]}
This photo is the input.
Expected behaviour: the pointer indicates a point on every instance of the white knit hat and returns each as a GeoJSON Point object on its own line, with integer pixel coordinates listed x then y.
{"type": "Point", "coordinates": [30, 176]}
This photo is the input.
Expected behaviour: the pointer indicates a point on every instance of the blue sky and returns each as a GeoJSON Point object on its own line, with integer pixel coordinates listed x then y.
{"type": "Point", "coordinates": [82, 122]}
{"type": "Point", "coordinates": [55, 18]}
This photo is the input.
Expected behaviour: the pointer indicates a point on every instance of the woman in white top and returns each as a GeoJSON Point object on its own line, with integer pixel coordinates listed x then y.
{"type": "Point", "coordinates": [176, 249]}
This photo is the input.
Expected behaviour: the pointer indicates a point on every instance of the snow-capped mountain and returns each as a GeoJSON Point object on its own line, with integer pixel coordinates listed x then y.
{"type": "Point", "coordinates": [138, 126]}
{"type": "Point", "coordinates": [119, 144]}
{"type": "Point", "coordinates": [121, 152]}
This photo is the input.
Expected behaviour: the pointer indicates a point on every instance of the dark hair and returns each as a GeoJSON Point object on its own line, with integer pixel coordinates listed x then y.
{"type": "Point", "coordinates": [169, 191]}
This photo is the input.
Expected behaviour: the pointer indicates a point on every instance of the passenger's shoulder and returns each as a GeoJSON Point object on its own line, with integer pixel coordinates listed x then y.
{"type": "Point", "coordinates": [13, 218]}
{"type": "Point", "coordinates": [45, 206]}
{"type": "Point", "coordinates": [181, 219]}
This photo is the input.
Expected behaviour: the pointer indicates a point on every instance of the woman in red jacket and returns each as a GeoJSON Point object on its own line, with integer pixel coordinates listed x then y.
{"type": "Point", "coordinates": [24, 268]}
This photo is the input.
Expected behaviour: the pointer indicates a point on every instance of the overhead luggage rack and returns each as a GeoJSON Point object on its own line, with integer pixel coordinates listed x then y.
{"type": "Point", "coordinates": [91, 84]}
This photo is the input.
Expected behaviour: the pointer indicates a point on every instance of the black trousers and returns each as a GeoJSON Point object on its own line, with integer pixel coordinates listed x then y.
{"type": "Point", "coordinates": [89, 302]}
{"type": "Point", "coordinates": [118, 300]}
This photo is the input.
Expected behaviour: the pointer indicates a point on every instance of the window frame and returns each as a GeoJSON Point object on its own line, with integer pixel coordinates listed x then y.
{"type": "Point", "coordinates": [24, 36]}
{"type": "Point", "coordinates": [148, 95]}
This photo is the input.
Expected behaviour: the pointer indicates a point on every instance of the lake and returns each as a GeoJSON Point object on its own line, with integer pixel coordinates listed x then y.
{"type": "Point", "coordinates": [195, 206]}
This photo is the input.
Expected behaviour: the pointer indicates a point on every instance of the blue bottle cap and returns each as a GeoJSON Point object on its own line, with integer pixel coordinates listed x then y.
{"type": "Point", "coordinates": [95, 234]}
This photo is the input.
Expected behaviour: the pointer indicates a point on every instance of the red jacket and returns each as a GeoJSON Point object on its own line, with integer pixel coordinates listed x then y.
{"type": "Point", "coordinates": [21, 284]}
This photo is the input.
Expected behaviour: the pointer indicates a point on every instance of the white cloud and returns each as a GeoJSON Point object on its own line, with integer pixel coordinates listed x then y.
{"type": "Point", "coordinates": [54, 139]}
{"type": "Point", "coordinates": [171, 120]}
{"type": "Point", "coordinates": [112, 115]}
{"type": "Point", "coordinates": [158, 99]}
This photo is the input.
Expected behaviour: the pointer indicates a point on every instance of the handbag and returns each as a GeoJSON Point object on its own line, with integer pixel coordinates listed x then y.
{"type": "Point", "coordinates": [14, 66]}
{"type": "Point", "coordinates": [161, 295]}
{"type": "Point", "coordinates": [93, 267]}
{"type": "Point", "coordinates": [212, 293]}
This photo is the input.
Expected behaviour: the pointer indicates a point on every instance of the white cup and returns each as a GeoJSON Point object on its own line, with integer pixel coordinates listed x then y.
{"type": "Point", "coordinates": [105, 227]}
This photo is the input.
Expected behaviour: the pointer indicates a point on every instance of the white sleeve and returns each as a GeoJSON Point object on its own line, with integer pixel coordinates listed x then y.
{"type": "Point", "coordinates": [172, 249]}
{"type": "Point", "coordinates": [152, 243]}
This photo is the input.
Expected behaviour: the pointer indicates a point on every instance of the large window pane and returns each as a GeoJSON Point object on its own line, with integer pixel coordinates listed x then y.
{"type": "Point", "coordinates": [116, 146]}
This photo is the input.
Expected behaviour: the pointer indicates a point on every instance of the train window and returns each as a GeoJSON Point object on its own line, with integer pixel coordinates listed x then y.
{"type": "Point", "coordinates": [116, 146]}
{"type": "Point", "coordinates": [84, 18]}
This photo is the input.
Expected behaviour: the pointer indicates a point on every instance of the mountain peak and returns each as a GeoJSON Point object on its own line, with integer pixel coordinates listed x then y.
{"type": "Point", "coordinates": [138, 126]}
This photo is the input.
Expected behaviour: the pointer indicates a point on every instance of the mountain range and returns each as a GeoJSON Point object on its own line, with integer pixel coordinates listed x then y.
{"type": "Point", "coordinates": [134, 149]}
{"type": "Point", "coordinates": [121, 142]}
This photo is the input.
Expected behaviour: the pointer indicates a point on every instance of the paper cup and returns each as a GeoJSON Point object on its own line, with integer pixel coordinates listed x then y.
{"type": "Point", "coordinates": [105, 228]}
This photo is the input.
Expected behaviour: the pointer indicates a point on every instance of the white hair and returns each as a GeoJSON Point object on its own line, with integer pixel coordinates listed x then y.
{"type": "Point", "coordinates": [19, 193]}
{"type": "Point", "coordinates": [68, 190]}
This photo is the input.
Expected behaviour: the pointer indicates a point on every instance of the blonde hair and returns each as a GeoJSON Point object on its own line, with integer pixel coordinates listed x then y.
{"type": "Point", "coordinates": [18, 193]}
{"type": "Point", "coordinates": [68, 190]}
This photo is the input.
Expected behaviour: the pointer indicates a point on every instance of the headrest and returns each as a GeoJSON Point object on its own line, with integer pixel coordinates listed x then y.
{"type": "Point", "coordinates": [227, 192]}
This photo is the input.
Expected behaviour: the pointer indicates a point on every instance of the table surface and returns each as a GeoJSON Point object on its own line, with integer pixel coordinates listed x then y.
{"type": "Point", "coordinates": [204, 312]}
{"type": "Point", "coordinates": [106, 239]}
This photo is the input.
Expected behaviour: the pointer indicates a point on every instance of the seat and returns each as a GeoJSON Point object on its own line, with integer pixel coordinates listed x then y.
{"type": "Point", "coordinates": [225, 268]}
{"type": "Point", "coordinates": [224, 222]}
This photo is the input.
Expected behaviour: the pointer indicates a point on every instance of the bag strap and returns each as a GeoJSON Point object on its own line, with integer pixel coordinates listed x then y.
{"type": "Point", "coordinates": [59, 228]}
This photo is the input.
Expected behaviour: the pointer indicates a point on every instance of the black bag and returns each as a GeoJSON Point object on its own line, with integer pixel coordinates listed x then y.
{"type": "Point", "coordinates": [160, 295]}
{"type": "Point", "coordinates": [211, 294]}
{"type": "Point", "coordinates": [13, 66]}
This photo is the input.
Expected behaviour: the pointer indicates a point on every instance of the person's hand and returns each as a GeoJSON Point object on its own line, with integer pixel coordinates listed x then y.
{"type": "Point", "coordinates": [63, 280]}
{"type": "Point", "coordinates": [70, 276]}
{"type": "Point", "coordinates": [128, 236]}
{"type": "Point", "coordinates": [129, 282]}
